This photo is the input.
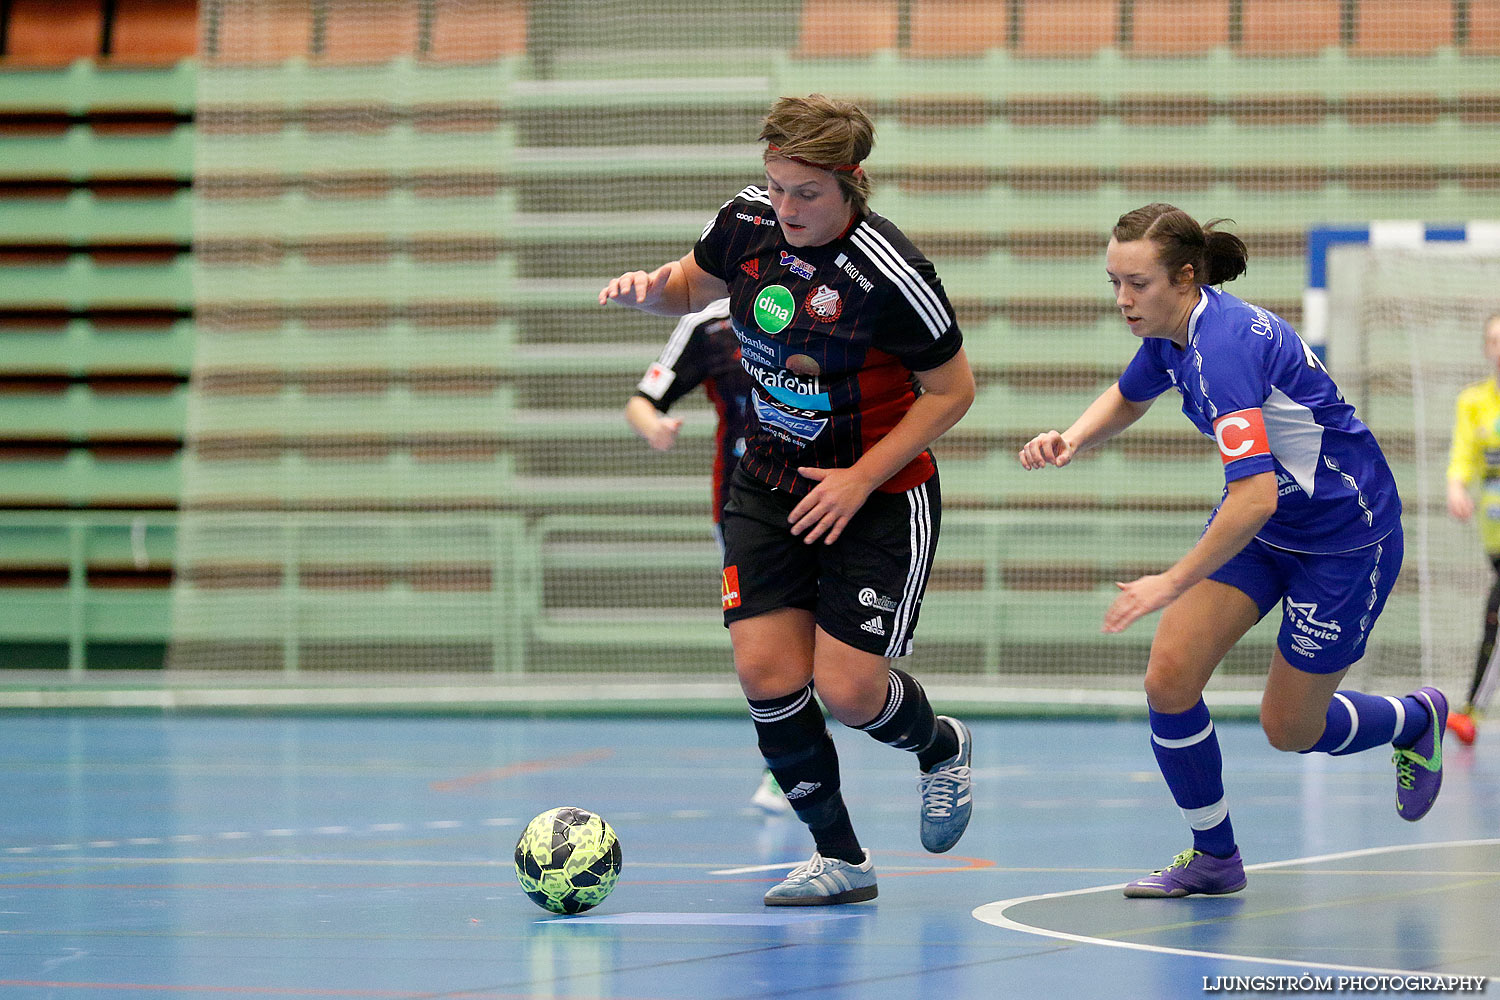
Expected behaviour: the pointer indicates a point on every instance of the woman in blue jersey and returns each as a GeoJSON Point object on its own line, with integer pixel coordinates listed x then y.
{"type": "Point", "coordinates": [1310, 519]}
{"type": "Point", "coordinates": [834, 508]}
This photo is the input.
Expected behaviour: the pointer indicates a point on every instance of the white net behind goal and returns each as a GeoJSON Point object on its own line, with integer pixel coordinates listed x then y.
{"type": "Point", "coordinates": [1405, 336]}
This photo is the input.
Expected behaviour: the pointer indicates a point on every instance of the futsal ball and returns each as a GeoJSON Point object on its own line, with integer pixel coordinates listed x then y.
{"type": "Point", "coordinates": [568, 860]}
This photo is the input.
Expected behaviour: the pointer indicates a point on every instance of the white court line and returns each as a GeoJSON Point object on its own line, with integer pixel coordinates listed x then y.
{"type": "Point", "coordinates": [994, 913]}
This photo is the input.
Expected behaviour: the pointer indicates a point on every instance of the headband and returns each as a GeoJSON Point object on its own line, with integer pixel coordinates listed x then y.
{"type": "Point", "coordinates": [835, 167]}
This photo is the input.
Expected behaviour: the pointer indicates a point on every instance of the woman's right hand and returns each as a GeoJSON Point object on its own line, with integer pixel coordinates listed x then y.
{"type": "Point", "coordinates": [1047, 448]}
{"type": "Point", "coordinates": [637, 288]}
{"type": "Point", "coordinates": [1460, 504]}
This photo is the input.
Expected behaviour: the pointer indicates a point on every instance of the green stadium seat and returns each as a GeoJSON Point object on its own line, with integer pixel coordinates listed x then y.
{"type": "Point", "coordinates": [82, 215]}
{"type": "Point", "coordinates": [90, 477]}
{"type": "Point", "coordinates": [81, 282]}
{"type": "Point", "coordinates": [83, 153]}
{"type": "Point", "coordinates": [86, 86]}
{"type": "Point", "coordinates": [80, 347]}
{"type": "Point", "coordinates": [105, 409]}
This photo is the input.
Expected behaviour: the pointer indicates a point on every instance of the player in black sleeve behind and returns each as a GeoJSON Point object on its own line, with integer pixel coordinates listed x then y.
{"type": "Point", "coordinates": [703, 350]}
{"type": "Point", "coordinates": [833, 512]}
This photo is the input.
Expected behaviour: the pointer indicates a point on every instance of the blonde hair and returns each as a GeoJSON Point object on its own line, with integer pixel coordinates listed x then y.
{"type": "Point", "coordinates": [826, 133]}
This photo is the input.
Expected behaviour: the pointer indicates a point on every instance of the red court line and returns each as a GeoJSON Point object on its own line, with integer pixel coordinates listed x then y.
{"type": "Point", "coordinates": [525, 767]}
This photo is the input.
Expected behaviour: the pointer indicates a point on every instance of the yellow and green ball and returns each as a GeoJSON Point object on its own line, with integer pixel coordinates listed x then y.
{"type": "Point", "coordinates": [568, 860]}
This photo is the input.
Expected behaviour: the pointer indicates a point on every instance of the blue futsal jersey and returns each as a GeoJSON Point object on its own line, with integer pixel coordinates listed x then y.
{"type": "Point", "coordinates": [1248, 381]}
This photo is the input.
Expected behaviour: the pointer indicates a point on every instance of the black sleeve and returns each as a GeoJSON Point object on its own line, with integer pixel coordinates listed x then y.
{"type": "Point", "coordinates": [681, 368]}
{"type": "Point", "coordinates": [919, 325]}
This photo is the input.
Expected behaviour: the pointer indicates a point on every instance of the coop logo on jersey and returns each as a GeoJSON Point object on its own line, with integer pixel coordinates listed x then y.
{"type": "Point", "coordinates": [759, 220]}
{"type": "Point", "coordinates": [792, 427]}
{"type": "Point", "coordinates": [774, 307]}
{"type": "Point", "coordinates": [823, 304]}
{"type": "Point", "coordinates": [799, 266]}
{"type": "Point", "coordinates": [731, 587]}
{"type": "Point", "coordinates": [1241, 434]}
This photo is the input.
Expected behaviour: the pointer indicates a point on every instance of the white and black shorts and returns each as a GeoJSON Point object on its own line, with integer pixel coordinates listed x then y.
{"type": "Point", "coordinates": [865, 589]}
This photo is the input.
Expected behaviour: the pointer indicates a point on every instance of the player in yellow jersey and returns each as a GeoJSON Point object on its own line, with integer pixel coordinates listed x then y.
{"type": "Point", "coordinates": [1474, 456]}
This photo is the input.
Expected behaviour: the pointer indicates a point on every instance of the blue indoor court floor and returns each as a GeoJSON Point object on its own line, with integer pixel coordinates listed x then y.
{"type": "Point", "coordinates": [370, 857]}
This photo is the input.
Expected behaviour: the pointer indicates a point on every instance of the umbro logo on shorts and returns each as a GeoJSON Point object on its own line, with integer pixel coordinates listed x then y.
{"type": "Point", "coordinates": [874, 626]}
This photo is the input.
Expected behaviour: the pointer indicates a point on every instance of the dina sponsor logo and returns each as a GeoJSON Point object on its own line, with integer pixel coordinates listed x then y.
{"type": "Point", "coordinates": [774, 307]}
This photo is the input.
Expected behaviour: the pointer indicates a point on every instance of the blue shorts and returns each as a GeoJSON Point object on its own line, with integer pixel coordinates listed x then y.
{"type": "Point", "coordinates": [1329, 601]}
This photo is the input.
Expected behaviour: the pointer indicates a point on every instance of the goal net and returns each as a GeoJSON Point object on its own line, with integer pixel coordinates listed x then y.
{"type": "Point", "coordinates": [406, 449]}
{"type": "Point", "coordinates": [1405, 335]}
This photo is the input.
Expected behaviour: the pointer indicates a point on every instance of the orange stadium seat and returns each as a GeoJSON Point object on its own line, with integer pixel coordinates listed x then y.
{"type": "Point", "coordinates": [466, 31]}
{"type": "Point", "coordinates": [1402, 27]}
{"type": "Point", "coordinates": [1289, 27]}
{"type": "Point", "coordinates": [1178, 27]}
{"type": "Point", "coordinates": [958, 27]}
{"type": "Point", "coordinates": [270, 31]}
{"type": "Point", "coordinates": [1484, 28]}
{"type": "Point", "coordinates": [370, 31]}
{"type": "Point", "coordinates": [847, 28]}
{"type": "Point", "coordinates": [1060, 28]}
{"type": "Point", "coordinates": [153, 32]}
{"type": "Point", "coordinates": [53, 32]}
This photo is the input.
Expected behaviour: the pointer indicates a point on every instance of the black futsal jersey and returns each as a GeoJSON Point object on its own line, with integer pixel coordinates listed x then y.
{"type": "Point", "coordinates": [830, 334]}
{"type": "Point", "coordinates": [703, 350]}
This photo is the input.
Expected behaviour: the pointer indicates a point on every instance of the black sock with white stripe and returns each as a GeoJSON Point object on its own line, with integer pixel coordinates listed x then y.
{"type": "Point", "coordinates": [795, 743]}
{"type": "Point", "coordinates": [907, 722]}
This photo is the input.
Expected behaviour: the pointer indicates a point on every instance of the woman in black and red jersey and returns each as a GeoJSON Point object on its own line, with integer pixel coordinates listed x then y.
{"type": "Point", "coordinates": [834, 509]}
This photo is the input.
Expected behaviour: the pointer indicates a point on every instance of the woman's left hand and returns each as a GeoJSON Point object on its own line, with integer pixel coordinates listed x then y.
{"type": "Point", "coordinates": [825, 511]}
{"type": "Point", "coordinates": [1137, 599]}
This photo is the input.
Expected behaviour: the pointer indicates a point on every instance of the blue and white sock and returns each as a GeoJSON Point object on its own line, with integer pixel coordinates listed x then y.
{"type": "Point", "coordinates": [1357, 721]}
{"type": "Point", "coordinates": [1187, 751]}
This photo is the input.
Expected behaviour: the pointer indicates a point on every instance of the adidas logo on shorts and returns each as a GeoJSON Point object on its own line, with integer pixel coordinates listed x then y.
{"type": "Point", "coordinates": [803, 788]}
{"type": "Point", "coordinates": [874, 626]}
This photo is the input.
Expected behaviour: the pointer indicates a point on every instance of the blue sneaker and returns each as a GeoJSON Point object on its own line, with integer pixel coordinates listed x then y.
{"type": "Point", "coordinates": [1419, 767]}
{"type": "Point", "coordinates": [947, 800]}
{"type": "Point", "coordinates": [1192, 872]}
{"type": "Point", "coordinates": [824, 881]}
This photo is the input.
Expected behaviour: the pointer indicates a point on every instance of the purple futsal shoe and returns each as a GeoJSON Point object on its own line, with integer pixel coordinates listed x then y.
{"type": "Point", "coordinates": [1191, 872]}
{"type": "Point", "coordinates": [1419, 767]}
